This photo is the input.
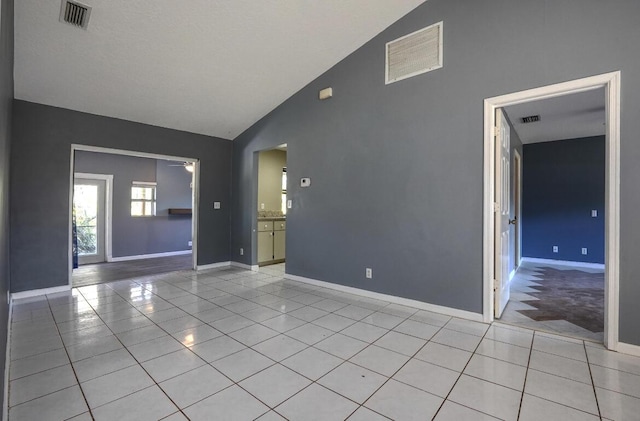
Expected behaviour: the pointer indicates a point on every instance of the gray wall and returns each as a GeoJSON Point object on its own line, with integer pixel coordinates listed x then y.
{"type": "Point", "coordinates": [6, 99]}
{"type": "Point", "coordinates": [40, 163]}
{"type": "Point", "coordinates": [397, 170]}
{"type": "Point", "coordinates": [133, 236]}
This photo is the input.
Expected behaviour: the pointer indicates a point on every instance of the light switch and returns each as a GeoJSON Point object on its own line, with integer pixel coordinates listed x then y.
{"type": "Point", "coordinates": [594, 213]}
{"type": "Point", "coordinates": [262, 206]}
{"type": "Point", "coordinates": [289, 203]}
{"type": "Point", "coordinates": [216, 205]}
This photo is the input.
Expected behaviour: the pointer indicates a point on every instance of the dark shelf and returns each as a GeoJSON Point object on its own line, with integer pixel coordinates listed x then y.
{"type": "Point", "coordinates": [179, 211]}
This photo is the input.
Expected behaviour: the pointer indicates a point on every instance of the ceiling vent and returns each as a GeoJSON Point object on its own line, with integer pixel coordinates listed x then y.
{"type": "Point", "coordinates": [74, 13]}
{"type": "Point", "coordinates": [530, 119]}
{"type": "Point", "coordinates": [414, 54]}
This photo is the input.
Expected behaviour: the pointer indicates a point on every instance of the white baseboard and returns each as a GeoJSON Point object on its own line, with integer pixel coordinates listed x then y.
{"type": "Point", "coordinates": [624, 348]}
{"type": "Point", "coordinates": [253, 268]}
{"type": "Point", "coordinates": [38, 292]}
{"type": "Point", "coordinates": [563, 263]}
{"type": "Point", "coordinates": [150, 256]}
{"type": "Point", "coordinates": [476, 317]}
{"type": "Point", "coordinates": [213, 265]}
{"type": "Point", "coordinates": [7, 362]}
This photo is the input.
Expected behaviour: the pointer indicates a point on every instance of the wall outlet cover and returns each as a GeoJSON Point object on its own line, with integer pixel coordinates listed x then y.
{"type": "Point", "coordinates": [368, 273]}
{"type": "Point", "coordinates": [190, 243]}
{"type": "Point", "coordinates": [241, 251]}
{"type": "Point", "coordinates": [555, 249]}
{"type": "Point", "coordinates": [216, 205]}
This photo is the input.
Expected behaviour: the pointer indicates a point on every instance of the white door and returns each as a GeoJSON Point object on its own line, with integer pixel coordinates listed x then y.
{"type": "Point", "coordinates": [89, 209]}
{"type": "Point", "coordinates": [502, 211]}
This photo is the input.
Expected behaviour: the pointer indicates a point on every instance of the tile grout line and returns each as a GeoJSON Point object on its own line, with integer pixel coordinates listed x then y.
{"type": "Point", "coordinates": [526, 374]}
{"type": "Point", "coordinates": [593, 383]}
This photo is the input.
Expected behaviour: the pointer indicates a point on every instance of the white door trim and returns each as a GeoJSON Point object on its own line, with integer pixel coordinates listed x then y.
{"type": "Point", "coordinates": [195, 196]}
{"type": "Point", "coordinates": [611, 83]}
{"type": "Point", "coordinates": [108, 208]}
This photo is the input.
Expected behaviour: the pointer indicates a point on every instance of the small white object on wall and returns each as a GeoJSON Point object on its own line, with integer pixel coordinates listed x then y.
{"type": "Point", "coordinates": [305, 182]}
{"type": "Point", "coordinates": [325, 93]}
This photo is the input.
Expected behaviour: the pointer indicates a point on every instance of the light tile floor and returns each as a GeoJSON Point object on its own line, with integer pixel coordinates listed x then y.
{"type": "Point", "coordinates": [232, 344]}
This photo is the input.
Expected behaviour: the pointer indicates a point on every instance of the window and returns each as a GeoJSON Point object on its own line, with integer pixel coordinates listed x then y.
{"type": "Point", "coordinates": [143, 199]}
{"type": "Point", "coordinates": [284, 191]}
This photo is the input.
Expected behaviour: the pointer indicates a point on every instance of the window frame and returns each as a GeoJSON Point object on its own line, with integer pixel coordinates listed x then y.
{"type": "Point", "coordinates": [145, 185]}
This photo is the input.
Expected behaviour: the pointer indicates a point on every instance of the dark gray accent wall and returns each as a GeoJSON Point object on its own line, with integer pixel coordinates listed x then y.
{"type": "Point", "coordinates": [134, 236]}
{"type": "Point", "coordinates": [397, 170]}
{"type": "Point", "coordinates": [6, 101]}
{"type": "Point", "coordinates": [40, 166]}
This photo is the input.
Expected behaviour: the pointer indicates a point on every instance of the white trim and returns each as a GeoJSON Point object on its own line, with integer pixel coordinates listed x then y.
{"type": "Point", "coordinates": [512, 274]}
{"type": "Point", "coordinates": [7, 362]}
{"type": "Point", "coordinates": [390, 298]}
{"type": "Point", "coordinates": [144, 183]}
{"type": "Point", "coordinates": [253, 268]}
{"type": "Point", "coordinates": [517, 157]}
{"type": "Point", "coordinates": [214, 265]}
{"type": "Point", "coordinates": [108, 209]}
{"type": "Point", "coordinates": [150, 256]}
{"type": "Point", "coordinates": [611, 83]}
{"type": "Point", "coordinates": [39, 292]}
{"type": "Point", "coordinates": [630, 349]}
{"type": "Point", "coordinates": [563, 263]}
{"type": "Point", "coordinates": [195, 194]}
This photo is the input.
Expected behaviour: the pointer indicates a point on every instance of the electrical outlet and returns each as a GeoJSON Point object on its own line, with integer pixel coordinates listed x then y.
{"type": "Point", "coordinates": [241, 251]}
{"type": "Point", "coordinates": [594, 213]}
{"type": "Point", "coordinates": [584, 250]}
{"type": "Point", "coordinates": [261, 206]}
{"type": "Point", "coordinates": [216, 205]}
{"type": "Point", "coordinates": [555, 249]}
{"type": "Point", "coordinates": [368, 273]}
{"type": "Point", "coordinates": [190, 243]}
{"type": "Point", "coordinates": [289, 204]}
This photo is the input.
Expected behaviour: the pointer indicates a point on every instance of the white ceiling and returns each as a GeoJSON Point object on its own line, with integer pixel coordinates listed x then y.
{"type": "Point", "coordinates": [566, 117]}
{"type": "Point", "coordinates": [206, 66]}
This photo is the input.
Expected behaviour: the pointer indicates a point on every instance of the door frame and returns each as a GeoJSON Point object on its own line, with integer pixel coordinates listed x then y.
{"type": "Point", "coordinates": [517, 169]}
{"type": "Point", "coordinates": [611, 83]}
{"type": "Point", "coordinates": [108, 207]}
{"type": "Point", "coordinates": [195, 193]}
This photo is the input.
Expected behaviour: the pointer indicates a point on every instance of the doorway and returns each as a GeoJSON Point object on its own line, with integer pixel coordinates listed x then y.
{"type": "Point", "coordinates": [271, 200]}
{"type": "Point", "coordinates": [92, 217]}
{"type": "Point", "coordinates": [149, 210]}
{"type": "Point", "coordinates": [494, 196]}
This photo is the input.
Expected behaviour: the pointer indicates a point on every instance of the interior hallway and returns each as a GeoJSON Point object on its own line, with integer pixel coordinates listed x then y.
{"type": "Point", "coordinates": [249, 345]}
{"type": "Point", "coordinates": [559, 299]}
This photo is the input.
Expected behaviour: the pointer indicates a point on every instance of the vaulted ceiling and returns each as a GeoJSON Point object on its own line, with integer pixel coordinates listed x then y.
{"type": "Point", "coordinates": [213, 67]}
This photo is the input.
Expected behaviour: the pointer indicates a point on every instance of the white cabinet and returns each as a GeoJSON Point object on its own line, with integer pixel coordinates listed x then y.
{"type": "Point", "coordinates": [271, 241]}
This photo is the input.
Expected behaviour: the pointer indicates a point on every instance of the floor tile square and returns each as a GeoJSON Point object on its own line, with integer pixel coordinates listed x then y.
{"type": "Point", "coordinates": [308, 314]}
{"type": "Point", "coordinates": [196, 335]}
{"type": "Point", "coordinates": [399, 342]}
{"type": "Point", "coordinates": [497, 371]}
{"type": "Point", "coordinates": [280, 347]}
{"type": "Point", "coordinates": [195, 385]}
{"type": "Point", "coordinates": [232, 323]}
{"type": "Point", "coordinates": [563, 391]}
{"type": "Point", "coordinates": [428, 377]}
{"type": "Point", "coordinates": [616, 381]}
{"type": "Point", "coordinates": [334, 322]}
{"type": "Point", "coordinates": [380, 360]}
{"type": "Point", "coordinates": [498, 401]}
{"type": "Point", "coordinates": [170, 365]}
{"type": "Point", "coordinates": [214, 314]}
{"type": "Point", "coordinates": [354, 312]}
{"type": "Point", "coordinates": [503, 351]}
{"type": "Point", "coordinates": [534, 408]}
{"type": "Point", "coordinates": [431, 318]}
{"type": "Point", "coordinates": [102, 364]}
{"type": "Point", "coordinates": [364, 414]}
{"type": "Point", "coordinates": [444, 356]}
{"type": "Point", "coordinates": [242, 364]}
{"type": "Point", "coordinates": [217, 348]}
{"type": "Point", "coordinates": [341, 346]}
{"type": "Point", "coordinates": [310, 333]}
{"type": "Point", "coordinates": [352, 381]}
{"type": "Point", "coordinates": [519, 337]}
{"type": "Point", "coordinates": [317, 403]}
{"type": "Point", "coordinates": [37, 363]}
{"type": "Point", "coordinates": [116, 385]}
{"type": "Point", "coordinates": [154, 348]}
{"type": "Point", "coordinates": [398, 401]}
{"type": "Point", "coordinates": [417, 329]}
{"type": "Point", "coordinates": [457, 339]}
{"type": "Point", "coordinates": [232, 403]}
{"type": "Point", "coordinates": [467, 326]}
{"type": "Point", "coordinates": [149, 404]}
{"type": "Point", "coordinates": [616, 406]}
{"type": "Point", "coordinates": [560, 366]}
{"type": "Point", "coordinates": [137, 336]}
{"type": "Point", "coordinates": [365, 332]}
{"type": "Point", "coordinates": [253, 334]}
{"type": "Point", "coordinates": [384, 320]}
{"type": "Point", "coordinates": [60, 405]}
{"type": "Point", "coordinates": [563, 348]}
{"type": "Point", "coordinates": [261, 314]}
{"type": "Point", "coordinates": [275, 384]}
{"type": "Point", "coordinates": [312, 363]}
{"type": "Point", "coordinates": [451, 411]}
{"type": "Point", "coordinates": [36, 385]}
{"type": "Point", "coordinates": [283, 323]}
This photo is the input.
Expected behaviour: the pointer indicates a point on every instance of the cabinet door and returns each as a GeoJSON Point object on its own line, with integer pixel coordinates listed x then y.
{"type": "Point", "coordinates": [265, 246]}
{"type": "Point", "coordinates": [279, 245]}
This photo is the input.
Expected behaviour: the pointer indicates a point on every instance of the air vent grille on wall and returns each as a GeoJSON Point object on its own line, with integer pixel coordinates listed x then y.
{"type": "Point", "coordinates": [530, 119]}
{"type": "Point", "coordinates": [75, 13]}
{"type": "Point", "coordinates": [414, 54]}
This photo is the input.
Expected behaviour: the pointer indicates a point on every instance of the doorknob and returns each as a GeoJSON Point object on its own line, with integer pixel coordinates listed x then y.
{"type": "Point", "coordinates": [513, 221]}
